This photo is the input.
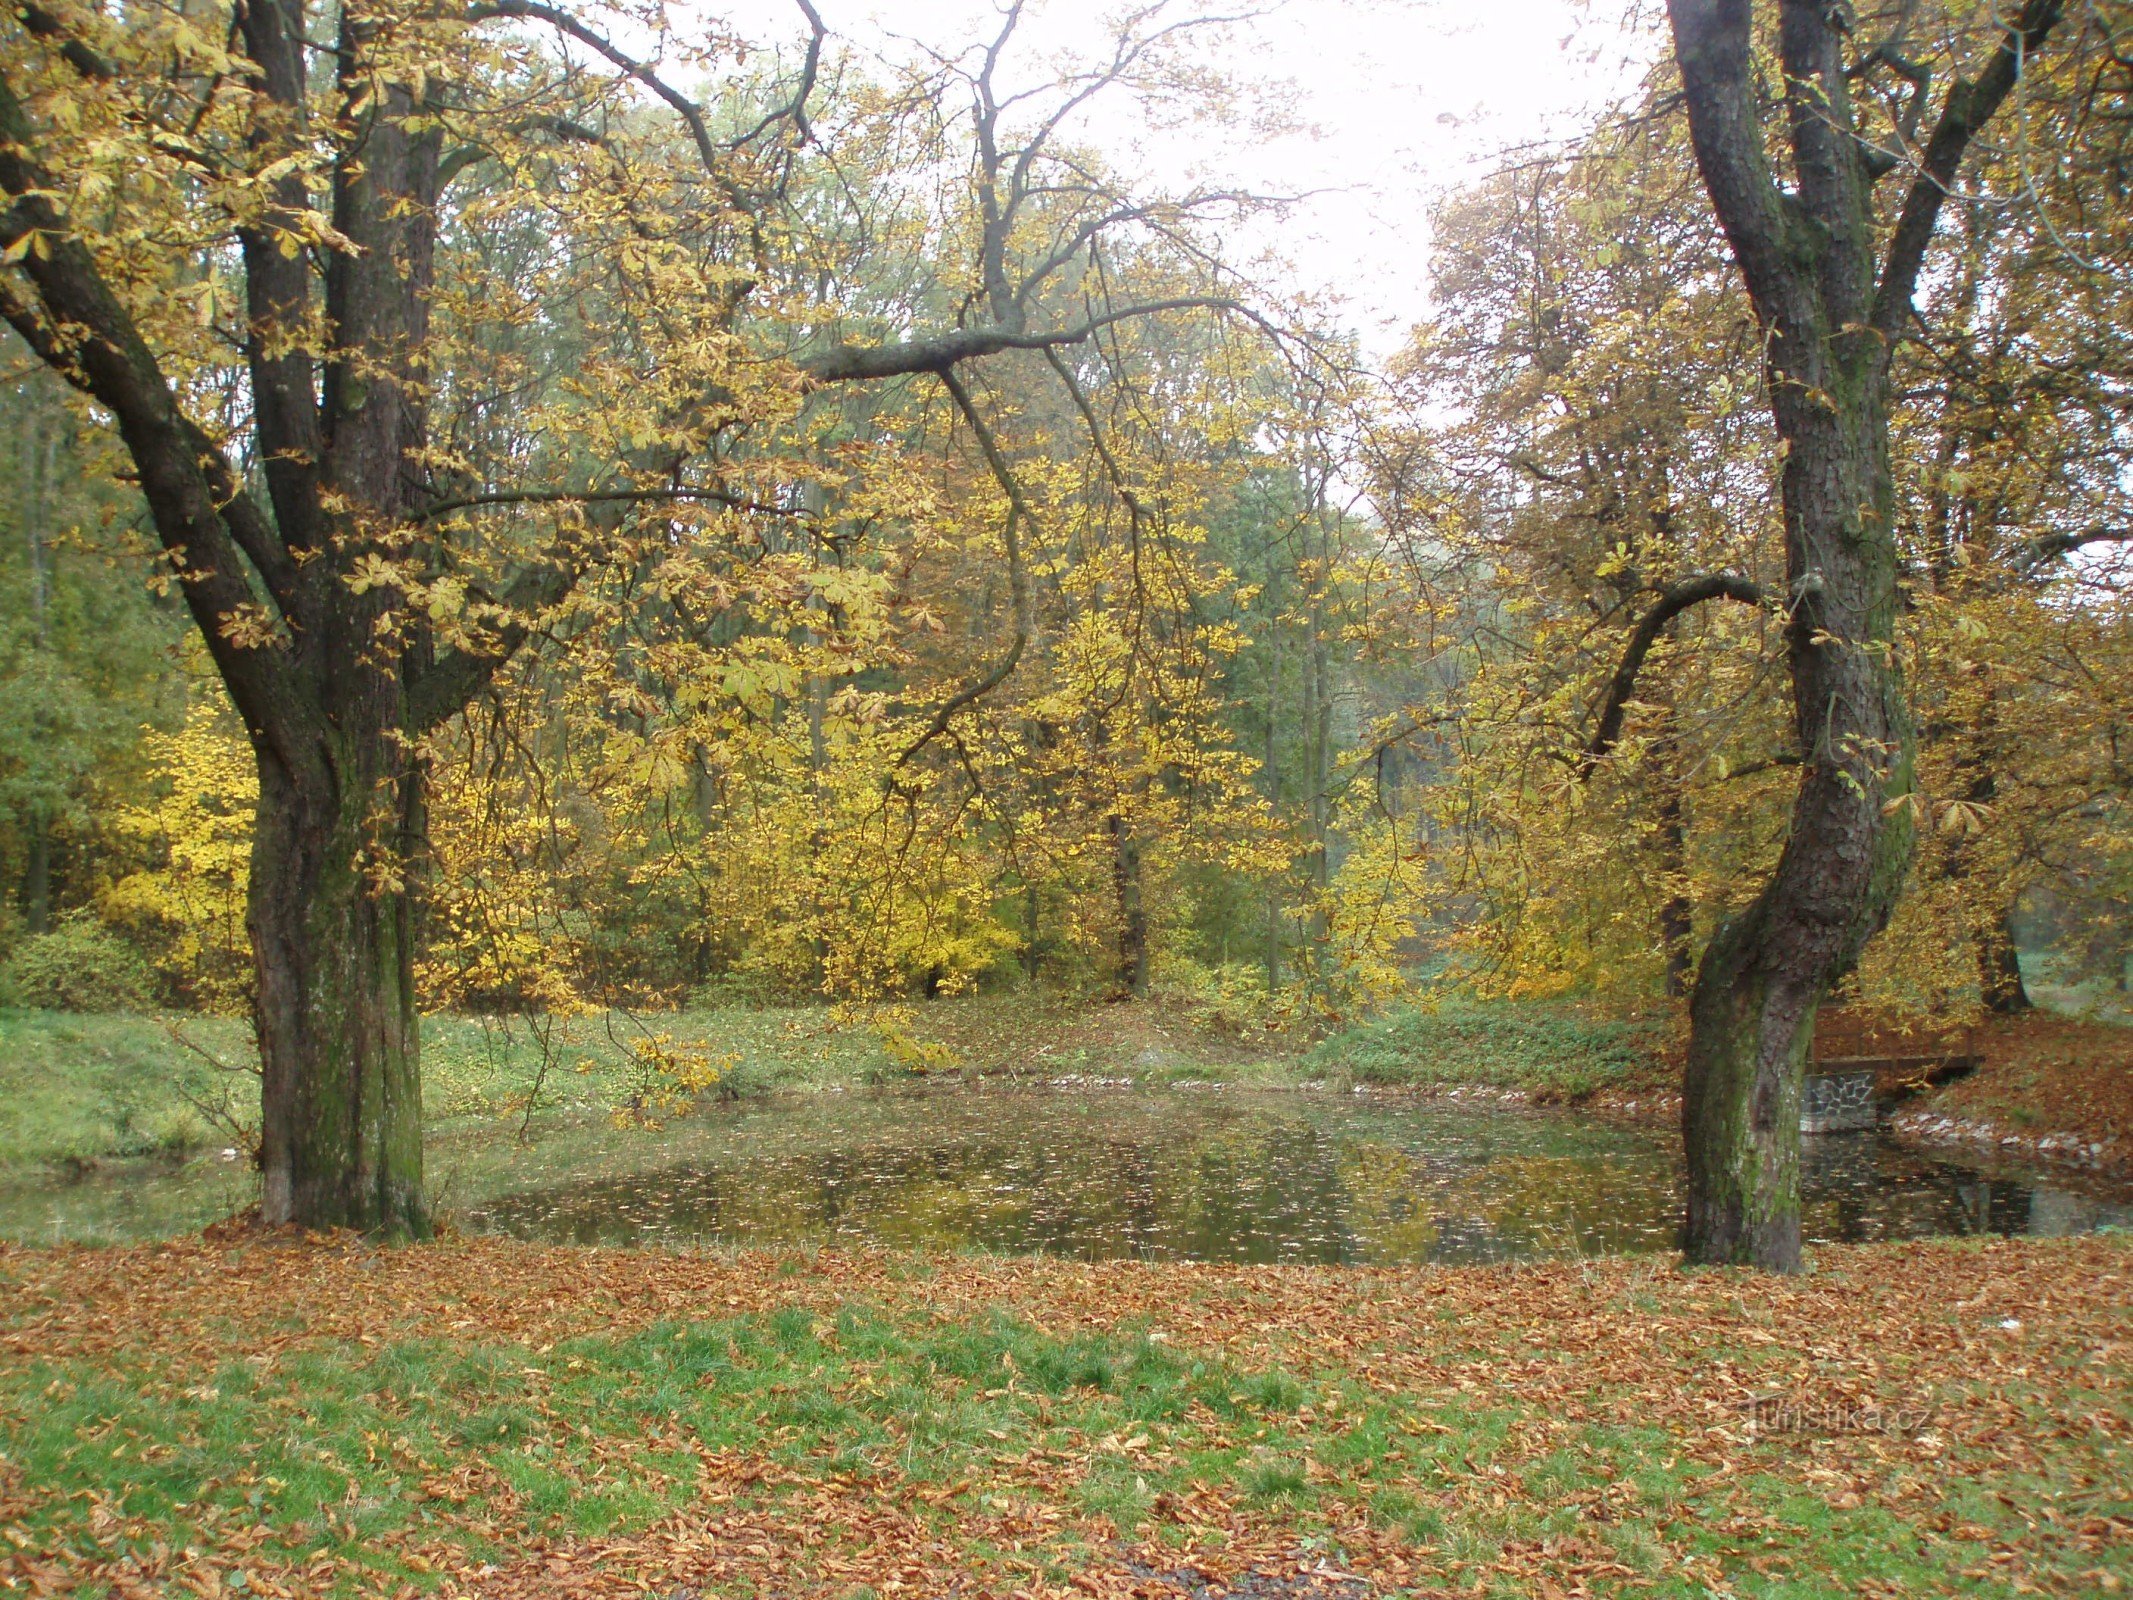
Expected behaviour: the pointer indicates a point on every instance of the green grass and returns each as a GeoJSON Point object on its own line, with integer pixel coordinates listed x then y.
{"type": "Point", "coordinates": [349, 1452]}
{"type": "Point", "coordinates": [80, 1090]}
{"type": "Point", "coordinates": [1547, 1049]}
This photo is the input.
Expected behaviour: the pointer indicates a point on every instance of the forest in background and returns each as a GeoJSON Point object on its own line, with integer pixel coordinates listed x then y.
{"type": "Point", "coordinates": [1292, 696]}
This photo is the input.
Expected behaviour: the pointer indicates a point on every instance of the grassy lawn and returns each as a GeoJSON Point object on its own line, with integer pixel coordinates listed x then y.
{"type": "Point", "coordinates": [1553, 1051]}
{"type": "Point", "coordinates": [255, 1416]}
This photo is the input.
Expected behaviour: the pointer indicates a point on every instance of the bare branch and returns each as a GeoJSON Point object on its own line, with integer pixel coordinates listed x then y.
{"type": "Point", "coordinates": [847, 363]}
{"type": "Point", "coordinates": [707, 148]}
{"type": "Point", "coordinates": [1969, 106]}
{"type": "Point", "coordinates": [2049, 547]}
{"type": "Point", "coordinates": [583, 497]}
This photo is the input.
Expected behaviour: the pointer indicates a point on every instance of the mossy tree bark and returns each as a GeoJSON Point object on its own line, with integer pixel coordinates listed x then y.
{"type": "Point", "coordinates": [1834, 297]}
{"type": "Point", "coordinates": [334, 946]}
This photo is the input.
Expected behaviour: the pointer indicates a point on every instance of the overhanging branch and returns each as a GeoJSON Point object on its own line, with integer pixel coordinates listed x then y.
{"type": "Point", "coordinates": [1671, 603]}
{"type": "Point", "coordinates": [1018, 512]}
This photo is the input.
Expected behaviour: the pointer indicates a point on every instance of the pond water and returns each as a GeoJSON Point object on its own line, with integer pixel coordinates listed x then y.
{"type": "Point", "coordinates": [1194, 1174]}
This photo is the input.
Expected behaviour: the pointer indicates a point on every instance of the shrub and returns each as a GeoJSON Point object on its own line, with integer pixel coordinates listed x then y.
{"type": "Point", "coordinates": [77, 967]}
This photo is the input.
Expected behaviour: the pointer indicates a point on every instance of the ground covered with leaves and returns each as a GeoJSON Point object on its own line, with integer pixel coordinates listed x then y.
{"type": "Point", "coordinates": [2051, 1079]}
{"type": "Point", "coordinates": [264, 1416]}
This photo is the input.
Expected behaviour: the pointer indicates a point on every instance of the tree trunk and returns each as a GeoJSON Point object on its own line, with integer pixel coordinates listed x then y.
{"type": "Point", "coordinates": [37, 871]}
{"type": "Point", "coordinates": [1999, 967]}
{"type": "Point", "coordinates": [339, 834]}
{"type": "Point", "coordinates": [1677, 912]}
{"type": "Point", "coordinates": [1273, 778]}
{"type": "Point", "coordinates": [1834, 295]}
{"type": "Point", "coordinates": [1677, 916]}
{"type": "Point", "coordinates": [1766, 971]}
{"type": "Point", "coordinates": [1132, 912]}
{"type": "Point", "coordinates": [40, 449]}
{"type": "Point", "coordinates": [333, 937]}
{"type": "Point", "coordinates": [1032, 958]}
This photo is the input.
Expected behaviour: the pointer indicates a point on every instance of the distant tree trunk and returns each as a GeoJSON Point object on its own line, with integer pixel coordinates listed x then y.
{"type": "Point", "coordinates": [1273, 784]}
{"type": "Point", "coordinates": [1999, 963]}
{"type": "Point", "coordinates": [41, 449]}
{"type": "Point", "coordinates": [1832, 306]}
{"type": "Point", "coordinates": [1677, 912]}
{"type": "Point", "coordinates": [37, 870]}
{"type": "Point", "coordinates": [1317, 730]}
{"type": "Point", "coordinates": [1031, 958]}
{"type": "Point", "coordinates": [1132, 912]}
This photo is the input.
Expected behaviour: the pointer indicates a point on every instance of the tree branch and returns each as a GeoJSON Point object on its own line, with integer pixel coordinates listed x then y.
{"type": "Point", "coordinates": [84, 333]}
{"type": "Point", "coordinates": [849, 363]}
{"type": "Point", "coordinates": [1018, 512]}
{"type": "Point", "coordinates": [1713, 44]}
{"type": "Point", "coordinates": [277, 281]}
{"type": "Point", "coordinates": [41, 23]}
{"type": "Point", "coordinates": [563, 22]}
{"type": "Point", "coordinates": [795, 109]}
{"type": "Point", "coordinates": [1969, 106]}
{"type": "Point", "coordinates": [582, 497]}
{"type": "Point", "coordinates": [1670, 604]}
{"type": "Point", "coordinates": [437, 691]}
{"type": "Point", "coordinates": [2048, 547]}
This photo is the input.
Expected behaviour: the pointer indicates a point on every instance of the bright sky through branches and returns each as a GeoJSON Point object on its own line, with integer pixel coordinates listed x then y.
{"type": "Point", "coordinates": [1405, 98]}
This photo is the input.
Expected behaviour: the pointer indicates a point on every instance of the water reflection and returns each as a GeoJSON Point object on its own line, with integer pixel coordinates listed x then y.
{"type": "Point", "coordinates": [1212, 1176]}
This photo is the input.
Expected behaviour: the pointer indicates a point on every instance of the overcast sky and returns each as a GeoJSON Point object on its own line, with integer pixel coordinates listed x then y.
{"type": "Point", "coordinates": [1408, 97]}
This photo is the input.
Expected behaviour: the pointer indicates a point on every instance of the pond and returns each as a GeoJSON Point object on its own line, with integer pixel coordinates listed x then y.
{"type": "Point", "coordinates": [1180, 1174]}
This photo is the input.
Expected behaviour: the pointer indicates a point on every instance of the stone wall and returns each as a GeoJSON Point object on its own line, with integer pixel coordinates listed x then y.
{"type": "Point", "coordinates": [1837, 1102]}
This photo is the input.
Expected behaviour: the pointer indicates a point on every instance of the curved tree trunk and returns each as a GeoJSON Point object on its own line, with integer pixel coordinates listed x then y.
{"type": "Point", "coordinates": [1766, 971]}
{"type": "Point", "coordinates": [1833, 291]}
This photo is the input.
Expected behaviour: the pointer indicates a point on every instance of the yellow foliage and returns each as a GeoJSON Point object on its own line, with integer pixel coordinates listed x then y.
{"type": "Point", "coordinates": [188, 906]}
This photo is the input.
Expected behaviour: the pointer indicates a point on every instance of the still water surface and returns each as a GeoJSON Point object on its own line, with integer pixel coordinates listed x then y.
{"type": "Point", "coordinates": [1227, 1176]}
{"type": "Point", "coordinates": [1198, 1174]}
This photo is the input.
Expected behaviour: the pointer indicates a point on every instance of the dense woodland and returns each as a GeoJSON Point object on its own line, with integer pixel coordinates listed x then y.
{"type": "Point", "coordinates": [520, 510]}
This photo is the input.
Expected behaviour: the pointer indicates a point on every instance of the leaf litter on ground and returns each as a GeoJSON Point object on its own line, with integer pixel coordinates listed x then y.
{"type": "Point", "coordinates": [260, 1415]}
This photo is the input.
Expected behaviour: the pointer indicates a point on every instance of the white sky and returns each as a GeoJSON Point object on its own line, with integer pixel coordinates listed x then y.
{"type": "Point", "coordinates": [1407, 97]}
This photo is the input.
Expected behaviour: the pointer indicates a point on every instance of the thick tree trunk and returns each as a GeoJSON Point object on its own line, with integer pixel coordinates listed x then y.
{"type": "Point", "coordinates": [1833, 292]}
{"type": "Point", "coordinates": [338, 845]}
{"type": "Point", "coordinates": [332, 925]}
{"type": "Point", "coordinates": [1766, 971]}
